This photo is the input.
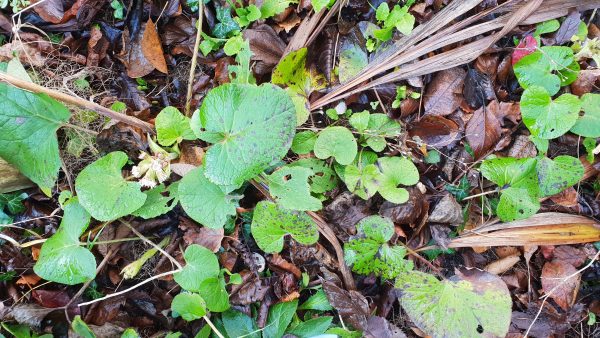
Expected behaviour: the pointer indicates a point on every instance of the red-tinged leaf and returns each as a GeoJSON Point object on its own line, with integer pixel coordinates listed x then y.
{"type": "Point", "coordinates": [555, 283]}
{"type": "Point", "coordinates": [51, 298]}
{"type": "Point", "coordinates": [524, 48]}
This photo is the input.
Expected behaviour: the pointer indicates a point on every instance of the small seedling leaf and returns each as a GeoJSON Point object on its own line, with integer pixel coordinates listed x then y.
{"type": "Point", "coordinates": [190, 306]}
{"type": "Point", "coordinates": [337, 142]}
{"type": "Point", "coordinates": [172, 127]}
{"type": "Point", "coordinates": [201, 264]}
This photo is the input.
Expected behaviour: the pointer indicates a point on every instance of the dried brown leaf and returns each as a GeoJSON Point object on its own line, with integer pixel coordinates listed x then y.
{"type": "Point", "coordinates": [483, 129]}
{"type": "Point", "coordinates": [557, 284]}
{"type": "Point", "coordinates": [444, 93]}
{"type": "Point", "coordinates": [152, 47]}
{"type": "Point", "coordinates": [436, 131]}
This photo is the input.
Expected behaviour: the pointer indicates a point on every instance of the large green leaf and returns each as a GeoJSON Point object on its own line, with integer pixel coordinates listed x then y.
{"type": "Point", "coordinates": [204, 201]}
{"type": "Point", "coordinates": [290, 187]}
{"type": "Point", "coordinates": [558, 174]}
{"type": "Point", "coordinates": [201, 264]}
{"type": "Point", "coordinates": [280, 316]}
{"type": "Point", "coordinates": [104, 193]}
{"type": "Point", "coordinates": [190, 306]}
{"type": "Point", "coordinates": [28, 124]}
{"type": "Point", "coordinates": [62, 259]}
{"type": "Point", "coordinates": [470, 304]}
{"type": "Point", "coordinates": [547, 118]}
{"type": "Point", "coordinates": [337, 142]}
{"type": "Point", "coordinates": [271, 223]}
{"type": "Point", "coordinates": [213, 291]}
{"type": "Point", "coordinates": [238, 324]}
{"type": "Point", "coordinates": [369, 253]}
{"type": "Point", "coordinates": [589, 124]}
{"type": "Point", "coordinates": [250, 126]}
{"type": "Point", "coordinates": [172, 126]}
{"type": "Point", "coordinates": [548, 68]}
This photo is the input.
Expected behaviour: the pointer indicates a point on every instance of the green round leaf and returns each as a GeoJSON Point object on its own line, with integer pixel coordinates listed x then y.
{"type": "Point", "coordinates": [104, 193]}
{"type": "Point", "coordinates": [271, 223]}
{"type": "Point", "coordinates": [472, 303]}
{"type": "Point", "coordinates": [304, 142]}
{"type": "Point", "coordinates": [337, 142]}
{"type": "Point", "coordinates": [213, 291]}
{"type": "Point", "coordinates": [250, 126]}
{"type": "Point", "coordinates": [396, 171]}
{"type": "Point", "coordinates": [190, 306]}
{"type": "Point", "coordinates": [290, 187]}
{"type": "Point", "coordinates": [172, 126]}
{"type": "Point", "coordinates": [28, 125]}
{"type": "Point", "coordinates": [62, 259]}
{"type": "Point", "coordinates": [205, 202]}
{"type": "Point", "coordinates": [201, 264]}
{"type": "Point", "coordinates": [546, 118]}
{"type": "Point", "coordinates": [589, 124]}
{"type": "Point", "coordinates": [558, 174]}
{"type": "Point", "coordinates": [324, 178]}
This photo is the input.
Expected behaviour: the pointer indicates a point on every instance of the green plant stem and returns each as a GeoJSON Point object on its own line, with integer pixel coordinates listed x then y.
{"type": "Point", "coordinates": [188, 97]}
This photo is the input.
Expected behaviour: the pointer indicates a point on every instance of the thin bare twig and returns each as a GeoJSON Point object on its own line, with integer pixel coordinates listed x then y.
{"type": "Point", "coordinates": [188, 96]}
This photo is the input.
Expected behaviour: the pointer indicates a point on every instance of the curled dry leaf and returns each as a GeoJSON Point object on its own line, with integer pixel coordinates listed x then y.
{"type": "Point", "coordinates": [447, 211]}
{"type": "Point", "coordinates": [351, 305]}
{"type": "Point", "coordinates": [444, 93]}
{"type": "Point", "coordinates": [502, 265]}
{"type": "Point", "coordinates": [557, 285]}
{"type": "Point", "coordinates": [436, 131]}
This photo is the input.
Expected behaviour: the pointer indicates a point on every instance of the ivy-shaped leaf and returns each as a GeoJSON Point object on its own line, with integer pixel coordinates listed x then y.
{"type": "Point", "coordinates": [588, 125]}
{"type": "Point", "coordinates": [13, 202]}
{"type": "Point", "coordinates": [157, 203]}
{"type": "Point", "coordinates": [549, 68]}
{"type": "Point", "coordinates": [104, 193]}
{"type": "Point", "coordinates": [290, 187]}
{"type": "Point", "coordinates": [547, 118]}
{"type": "Point", "coordinates": [558, 174]}
{"type": "Point", "coordinates": [519, 183]}
{"type": "Point", "coordinates": [337, 142]}
{"type": "Point", "coordinates": [172, 127]}
{"type": "Point", "coordinates": [190, 306]}
{"type": "Point", "coordinates": [28, 125]}
{"type": "Point", "coordinates": [250, 126]}
{"type": "Point", "coordinates": [473, 303]}
{"type": "Point", "coordinates": [205, 202]}
{"type": "Point", "coordinates": [323, 179]}
{"type": "Point", "coordinates": [271, 223]}
{"type": "Point", "coordinates": [396, 171]}
{"type": "Point", "coordinates": [62, 259]}
{"type": "Point", "coordinates": [369, 253]}
{"type": "Point", "coordinates": [201, 264]}
{"type": "Point", "coordinates": [226, 24]}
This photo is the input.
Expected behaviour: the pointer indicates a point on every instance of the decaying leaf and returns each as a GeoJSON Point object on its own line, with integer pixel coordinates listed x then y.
{"type": "Point", "coordinates": [560, 281]}
{"type": "Point", "coordinates": [444, 93]}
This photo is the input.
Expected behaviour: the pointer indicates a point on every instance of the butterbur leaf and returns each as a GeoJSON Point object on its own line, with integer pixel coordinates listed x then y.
{"type": "Point", "coordinates": [104, 193]}
{"type": "Point", "coordinates": [558, 174]}
{"type": "Point", "coordinates": [379, 128]}
{"type": "Point", "coordinates": [323, 179]}
{"type": "Point", "coordinates": [156, 203]}
{"type": "Point", "coordinates": [362, 180]}
{"type": "Point", "coordinates": [280, 316]}
{"type": "Point", "coordinates": [360, 121]}
{"type": "Point", "coordinates": [28, 125]}
{"type": "Point", "coordinates": [547, 118]}
{"type": "Point", "coordinates": [250, 126]}
{"type": "Point", "coordinates": [271, 223]}
{"type": "Point", "coordinates": [213, 291]}
{"type": "Point", "coordinates": [588, 125]}
{"type": "Point", "coordinates": [369, 253]}
{"type": "Point", "coordinates": [172, 126]}
{"type": "Point", "coordinates": [337, 142]}
{"type": "Point", "coordinates": [472, 303]}
{"type": "Point", "coordinates": [304, 142]}
{"type": "Point", "coordinates": [517, 203]}
{"type": "Point", "coordinates": [190, 306]}
{"type": "Point", "coordinates": [290, 187]}
{"type": "Point", "coordinates": [396, 171]}
{"type": "Point", "coordinates": [205, 202]}
{"type": "Point", "coordinates": [200, 264]}
{"type": "Point", "coordinates": [62, 259]}
{"type": "Point", "coordinates": [548, 68]}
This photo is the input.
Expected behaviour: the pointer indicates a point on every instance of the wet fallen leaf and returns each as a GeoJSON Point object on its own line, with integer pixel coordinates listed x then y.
{"type": "Point", "coordinates": [566, 198]}
{"type": "Point", "coordinates": [502, 265]}
{"type": "Point", "coordinates": [483, 129]}
{"type": "Point", "coordinates": [436, 131]}
{"type": "Point", "coordinates": [447, 211]}
{"type": "Point", "coordinates": [405, 213]}
{"type": "Point", "coordinates": [478, 89]}
{"type": "Point", "coordinates": [568, 28]}
{"type": "Point", "coordinates": [555, 283]}
{"type": "Point", "coordinates": [351, 305]}
{"type": "Point", "coordinates": [152, 47]}
{"type": "Point", "coordinates": [585, 81]}
{"type": "Point", "coordinates": [444, 93]}
{"type": "Point", "coordinates": [51, 298]}
{"type": "Point", "coordinates": [569, 254]}
{"type": "Point", "coordinates": [207, 237]}
{"type": "Point", "coordinates": [266, 46]}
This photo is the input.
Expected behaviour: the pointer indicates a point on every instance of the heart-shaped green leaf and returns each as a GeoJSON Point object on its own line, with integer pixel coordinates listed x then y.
{"type": "Point", "coordinates": [201, 264]}
{"type": "Point", "coordinates": [204, 201]}
{"type": "Point", "coordinates": [213, 291]}
{"type": "Point", "coordinates": [558, 174]}
{"type": "Point", "coordinates": [250, 126]}
{"type": "Point", "coordinates": [304, 142]}
{"type": "Point", "coordinates": [271, 223]}
{"type": "Point", "coordinates": [190, 306]}
{"type": "Point", "coordinates": [157, 203]}
{"type": "Point", "coordinates": [549, 68]}
{"type": "Point", "coordinates": [362, 180]}
{"type": "Point", "coordinates": [28, 124]}
{"type": "Point", "coordinates": [290, 187]}
{"type": "Point", "coordinates": [337, 142]}
{"type": "Point", "coordinates": [545, 117]}
{"type": "Point", "coordinates": [396, 171]}
{"type": "Point", "coordinates": [472, 303]}
{"type": "Point", "coordinates": [369, 253]}
{"type": "Point", "coordinates": [104, 193]}
{"type": "Point", "coordinates": [172, 126]}
{"type": "Point", "coordinates": [589, 124]}
{"type": "Point", "coordinates": [62, 259]}
{"type": "Point", "coordinates": [517, 203]}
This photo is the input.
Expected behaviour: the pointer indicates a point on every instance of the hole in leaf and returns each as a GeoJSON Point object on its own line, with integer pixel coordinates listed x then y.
{"type": "Point", "coordinates": [479, 329]}
{"type": "Point", "coordinates": [521, 211]}
{"type": "Point", "coordinates": [287, 177]}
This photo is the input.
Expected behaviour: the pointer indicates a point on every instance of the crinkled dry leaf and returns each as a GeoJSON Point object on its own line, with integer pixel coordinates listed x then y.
{"type": "Point", "coordinates": [557, 285]}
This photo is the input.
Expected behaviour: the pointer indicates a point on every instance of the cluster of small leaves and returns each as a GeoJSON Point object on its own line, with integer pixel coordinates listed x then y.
{"type": "Point", "coordinates": [523, 181]}
{"type": "Point", "coordinates": [369, 252]}
{"type": "Point", "coordinates": [398, 17]}
{"type": "Point", "coordinates": [11, 204]}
